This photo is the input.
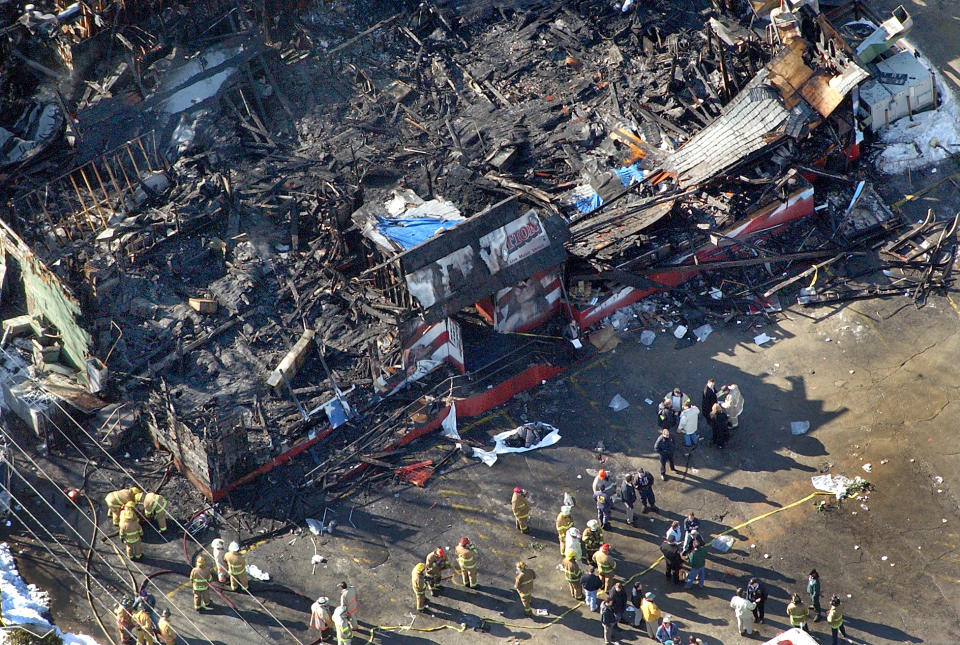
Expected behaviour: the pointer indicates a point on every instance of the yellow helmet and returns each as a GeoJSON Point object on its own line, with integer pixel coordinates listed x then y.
{"type": "Point", "coordinates": [571, 554]}
{"type": "Point", "coordinates": [138, 497]}
{"type": "Point", "coordinates": [135, 490]}
{"type": "Point", "coordinates": [420, 567]}
{"type": "Point", "coordinates": [201, 561]}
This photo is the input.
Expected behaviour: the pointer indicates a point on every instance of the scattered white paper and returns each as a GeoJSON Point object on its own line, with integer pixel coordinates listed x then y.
{"type": "Point", "coordinates": [722, 543]}
{"type": "Point", "coordinates": [618, 403]}
{"type": "Point", "coordinates": [576, 343]}
{"type": "Point", "coordinates": [256, 573]}
{"type": "Point", "coordinates": [647, 337]}
{"type": "Point", "coordinates": [762, 338]}
{"type": "Point", "coordinates": [799, 427]}
{"type": "Point", "coordinates": [702, 332]}
{"type": "Point", "coordinates": [680, 331]}
{"type": "Point", "coordinates": [448, 428]}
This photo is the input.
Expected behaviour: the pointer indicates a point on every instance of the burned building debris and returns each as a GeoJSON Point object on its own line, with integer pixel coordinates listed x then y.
{"type": "Point", "coordinates": [310, 237]}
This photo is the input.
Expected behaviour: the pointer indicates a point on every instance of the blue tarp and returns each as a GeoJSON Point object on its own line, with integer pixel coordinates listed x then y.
{"type": "Point", "coordinates": [408, 232]}
{"type": "Point", "coordinates": [630, 174]}
{"type": "Point", "coordinates": [588, 203]}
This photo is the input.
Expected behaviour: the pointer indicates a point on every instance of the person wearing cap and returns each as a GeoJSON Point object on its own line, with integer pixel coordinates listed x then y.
{"type": "Point", "coordinates": [341, 622]}
{"type": "Point", "coordinates": [154, 508]}
{"type": "Point", "coordinates": [668, 630]}
{"type": "Point", "coordinates": [666, 417]}
{"type": "Point", "coordinates": [602, 482]}
{"type": "Point", "coordinates": [131, 534]}
{"type": "Point", "coordinates": [591, 583]}
{"type": "Point", "coordinates": [835, 619]}
{"type": "Point", "coordinates": [606, 566]}
{"type": "Point", "coordinates": [219, 549]}
{"type": "Point", "coordinates": [418, 579]}
{"type": "Point", "coordinates": [350, 601]}
{"type": "Point", "coordinates": [572, 574]}
{"type": "Point", "coordinates": [573, 543]}
{"type": "Point", "coordinates": [436, 562]}
{"type": "Point", "coordinates": [672, 559]}
{"type": "Point", "coordinates": [798, 613]}
{"type": "Point", "coordinates": [523, 583]}
{"type": "Point", "coordinates": [604, 502]}
{"type": "Point", "coordinates": [125, 622]}
{"type": "Point", "coordinates": [564, 524]}
{"type": "Point", "coordinates": [521, 508]}
{"type": "Point", "coordinates": [697, 559]}
{"type": "Point", "coordinates": [144, 622]}
{"type": "Point", "coordinates": [236, 567]}
{"type": "Point", "coordinates": [592, 539]}
{"type": "Point", "coordinates": [651, 613]}
{"type": "Point", "coordinates": [757, 594]}
{"type": "Point", "coordinates": [665, 446]}
{"type": "Point", "coordinates": [644, 483]}
{"type": "Point", "coordinates": [321, 617]}
{"type": "Point", "coordinates": [743, 611]}
{"type": "Point", "coordinates": [628, 495]}
{"type": "Point", "coordinates": [165, 630]}
{"type": "Point", "coordinates": [608, 620]}
{"type": "Point", "coordinates": [467, 561]}
{"type": "Point", "coordinates": [200, 581]}
{"type": "Point", "coordinates": [117, 498]}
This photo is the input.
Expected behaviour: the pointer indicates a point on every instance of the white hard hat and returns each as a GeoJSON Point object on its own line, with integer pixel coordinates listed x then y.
{"type": "Point", "coordinates": [575, 532]}
{"type": "Point", "coordinates": [323, 600]}
{"type": "Point", "coordinates": [566, 509]}
{"type": "Point", "coordinates": [218, 544]}
{"type": "Point", "coordinates": [234, 547]}
{"type": "Point", "coordinates": [593, 524]}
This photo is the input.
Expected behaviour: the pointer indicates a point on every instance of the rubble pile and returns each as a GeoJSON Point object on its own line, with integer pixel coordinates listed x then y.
{"type": "Point", "coordinates": [301, 238]}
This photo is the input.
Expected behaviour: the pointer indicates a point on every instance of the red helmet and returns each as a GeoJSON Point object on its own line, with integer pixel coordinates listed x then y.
{"type": "Point", "coordinates": [517, 489]}
{"type": "Point", "coordinates": [604, 547]}
{"type": "Point", "coordinates": [602, 474]}
{"type": "Point", "coordinates": [464, 541]}
{"type": "Point", "coordinates": [440, 552]}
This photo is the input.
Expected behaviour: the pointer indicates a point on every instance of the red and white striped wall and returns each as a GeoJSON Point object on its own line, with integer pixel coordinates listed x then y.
{"type": "Point", "coordinates": [440, 341]}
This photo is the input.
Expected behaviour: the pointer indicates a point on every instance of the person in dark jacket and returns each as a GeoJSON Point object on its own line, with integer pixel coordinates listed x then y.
{"type": "Point", "coordinates": [709, 398]}
{"type": "Point", "coordinates": [665, 446]}
{"type": "Point", "coordinates": [618, 596]}
{"type": "Point", "coordinates": [608, 618]}
{"type": "Point", "coordinates": [720, 424]}
{"type": "Point", "coordinates": [644, 485]}
{"type": "Point", "coordinates": [591, 584]}
{"type": "Point", "coordinates": [636, 599]}
{"type": "Point", "coordinates": [672, 559]}
{"type": "Point", "coordinates": [629, 496]}
{"type": "Point", "coordinates": [666, 417]}
{"type": "Point", "coordinates": [757, 593]}
{"type": "Point", "coordinates": [813, 588]}
{"type": "Point", "coordinates": [604, 502]}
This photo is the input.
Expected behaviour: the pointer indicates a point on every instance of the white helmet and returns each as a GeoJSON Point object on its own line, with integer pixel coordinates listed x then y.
{"type": "Point", "coordinates": [219, 544]}
{"type": "Point", "coordinates": [574, 532]}
{"type": "Point", "coordinates": [234, 547]}
{"type": "Point", "coordinates": [593, 524]}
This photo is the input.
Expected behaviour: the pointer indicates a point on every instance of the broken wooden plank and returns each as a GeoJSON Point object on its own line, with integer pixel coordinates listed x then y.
{"type": "Point", "coordinates": [292, 361]}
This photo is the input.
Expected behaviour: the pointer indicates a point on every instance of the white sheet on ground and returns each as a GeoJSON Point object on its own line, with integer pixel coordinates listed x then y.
{"type": "Point", "coordinates": [489, 457]}
{"type": "Point", "coordinates": [836, 484]}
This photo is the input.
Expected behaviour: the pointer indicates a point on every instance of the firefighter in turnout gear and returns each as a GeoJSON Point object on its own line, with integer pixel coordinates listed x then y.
{"type": "Point", "coordinates": [321, 617]}
{"type": "Point", "coordinates": [419, 581]}
{"type": "Point", "coordinates": [236, 567]}
{"type": "Point", "coordinates": [125, 622]}
{"type": "Point", "coordinates": [116, 499]}
{"type": "Point", "coordinates": [572, 573]}
{"type": "Point", "coordinates": [524, 586]}
{"type": "Point", "coordinates": [606, 566]}
{"type": "Point", "coordinates": [521, 508]}
{"type": "Point", "coordinates": [341, 621]}
{"type": "Point", "coordinates": [131, 534]}
{"type": "Point", "coordinates": [564, 524]}
{"type": "Point", "coordinates": [467, 561]}
{"type": "Point", "coordinates": [154, 508]}
{"type": "Point", "coordinates": [435, 564]}
{"type": "Point", "coordinates": [200, 580]}
{"type": "Point", "coordinates": [144, 622]}
{"type": "Point", "coordinates": [592, 539]}
{"type": "Point", "coordinates": [167, 634]}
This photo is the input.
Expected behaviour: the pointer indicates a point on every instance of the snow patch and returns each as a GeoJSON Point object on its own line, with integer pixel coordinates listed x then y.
{"type": "Point", "coordinates": [28, 605]}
